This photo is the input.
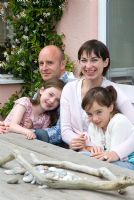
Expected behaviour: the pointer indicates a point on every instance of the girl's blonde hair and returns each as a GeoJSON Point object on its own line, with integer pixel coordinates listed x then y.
{"type": "Point", "coordinates": [56, 83]}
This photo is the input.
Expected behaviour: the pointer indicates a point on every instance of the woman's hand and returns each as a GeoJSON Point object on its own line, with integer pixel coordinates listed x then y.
{"type": "Point", "coordinates": [78, 143]}
{"type": "Point", "coordinates": [110, 156]}
{"type": "Point", "coordinates": [30, 135]}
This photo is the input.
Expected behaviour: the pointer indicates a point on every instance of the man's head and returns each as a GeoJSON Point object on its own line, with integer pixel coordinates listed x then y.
{"type": "Point", "coordinates": [51, 62]}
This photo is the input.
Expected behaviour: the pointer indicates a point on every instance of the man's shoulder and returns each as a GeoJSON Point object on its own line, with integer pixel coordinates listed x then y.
{"type": "Point", "coordinates": [68, 76]}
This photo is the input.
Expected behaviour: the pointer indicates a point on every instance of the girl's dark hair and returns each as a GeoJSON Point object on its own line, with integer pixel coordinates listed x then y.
{"type": "Point", "coordinates": [103, 96]}
{"type": "Point", "coordinates": [98, 48]}
{"type": "Point", "coordinates": [56, 83]}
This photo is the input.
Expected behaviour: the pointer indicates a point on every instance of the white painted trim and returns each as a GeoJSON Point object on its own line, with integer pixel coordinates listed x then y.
{"type": "Point", "coordinates": [102, 20]}
{"type": "Point", "coordinates": [9, 79]}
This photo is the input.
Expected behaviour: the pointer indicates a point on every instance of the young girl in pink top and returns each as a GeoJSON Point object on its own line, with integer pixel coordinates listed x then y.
{"type": "Point", "coordinates": [43, 110]}
{"type": "Point", "coordinates": [107, 128]}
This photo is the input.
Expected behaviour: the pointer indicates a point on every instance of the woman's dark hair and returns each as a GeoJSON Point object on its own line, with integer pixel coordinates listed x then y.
{"type": "Point", "coordinates": [103, 96]}
{"type": "Point", "coordinates": [98, 48]}
{"type": "Point", "coordinates": [56, 83]}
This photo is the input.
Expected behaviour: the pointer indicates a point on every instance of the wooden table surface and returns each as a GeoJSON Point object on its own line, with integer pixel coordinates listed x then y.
{"type": "Point", "coordinates": [45, 151]}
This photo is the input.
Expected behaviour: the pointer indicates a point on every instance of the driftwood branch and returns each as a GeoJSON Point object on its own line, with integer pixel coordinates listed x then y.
{"type": "Point", "coordinates": [6, 159]}
{"type": "Point", "coordinates": [100, 172]}
{"type": "Point", "coordinates": [116, 185]}
{"type": "Point", "coordinates": [112, 183]}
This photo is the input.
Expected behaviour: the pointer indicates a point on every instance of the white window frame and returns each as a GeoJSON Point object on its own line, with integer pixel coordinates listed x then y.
{"type": "Point", "coordinates": [102, 4]}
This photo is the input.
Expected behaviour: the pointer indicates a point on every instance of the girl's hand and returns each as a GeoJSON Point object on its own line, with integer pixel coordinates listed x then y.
{"type": "Point", "coordinates": [107, 156]}
{"type": "Point", "coordinates": [93, 149]}
{"type": "Point", "coordinates": [30, 135]}
{"type": "Point", "coordinates": [96, 150]}
{"type": "Point", "coordinates": [28, 123]}
{"type": "Point", "coordinates": [78, 143]}
{"type": "Point", "coordinates": [3, 128]}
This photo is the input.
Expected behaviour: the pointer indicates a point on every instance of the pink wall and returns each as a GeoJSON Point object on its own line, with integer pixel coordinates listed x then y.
{"type": "Point", "coordinates": [6, 90]}
{"type": "Point", "coordinates": [79, 23]}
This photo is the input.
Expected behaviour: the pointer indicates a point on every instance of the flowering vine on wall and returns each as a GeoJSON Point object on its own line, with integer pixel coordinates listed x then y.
{"type": "Point", "coordinates": [31, 25]}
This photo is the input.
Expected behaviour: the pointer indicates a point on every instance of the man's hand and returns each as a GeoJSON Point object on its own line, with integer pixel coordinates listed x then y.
{"type": "Point", "coordinates": [78, 143]}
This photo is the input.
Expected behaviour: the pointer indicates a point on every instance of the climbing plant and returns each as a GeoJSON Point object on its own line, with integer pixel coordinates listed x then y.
{"type": "Point", "coordinates": [31, 25]}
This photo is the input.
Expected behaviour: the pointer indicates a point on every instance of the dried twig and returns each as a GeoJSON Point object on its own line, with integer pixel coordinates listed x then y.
{"type": "Point", "coordinates": [6, 159]}
{"type": "Point", "coordinates": [113, 183]}
{"type": "Point", "coordinates": [118, 184]}
{"type": "Point", "coordinates": [102, 172]}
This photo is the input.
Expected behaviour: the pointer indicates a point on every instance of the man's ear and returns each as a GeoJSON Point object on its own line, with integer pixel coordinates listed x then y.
{"type": "Point", "coordinates": [63, 65]}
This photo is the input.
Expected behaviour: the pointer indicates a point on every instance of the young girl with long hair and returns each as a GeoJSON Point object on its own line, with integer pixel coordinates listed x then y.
{"type": "Point", "coordinates": [42, 111]}
{"type": "Point", "coordinates": [107, 127]}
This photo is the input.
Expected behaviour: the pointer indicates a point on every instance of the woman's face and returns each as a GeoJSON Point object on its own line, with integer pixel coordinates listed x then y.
{"type": "Point", "coordinates": [92, 66]}
{"type": "Point", "coordinates": [50, 98]}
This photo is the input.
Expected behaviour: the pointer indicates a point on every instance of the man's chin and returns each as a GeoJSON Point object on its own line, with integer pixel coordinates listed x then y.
{"type": "Point", "coordinates": [46, 77]}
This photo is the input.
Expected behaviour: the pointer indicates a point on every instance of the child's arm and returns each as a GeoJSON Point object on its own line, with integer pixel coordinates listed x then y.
{"type": "Point", "coordinates": [16, 120]}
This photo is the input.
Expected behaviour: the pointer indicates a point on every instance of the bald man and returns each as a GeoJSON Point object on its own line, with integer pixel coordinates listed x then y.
{"type": "Point", "coordinates": [52, 64]}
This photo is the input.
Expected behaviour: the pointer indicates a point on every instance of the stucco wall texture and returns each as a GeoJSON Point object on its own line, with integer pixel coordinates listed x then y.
{"type": "Point", "coordinates": [79, 24]}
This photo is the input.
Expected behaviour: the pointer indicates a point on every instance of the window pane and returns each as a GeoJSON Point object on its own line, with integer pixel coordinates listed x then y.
{"type": "Point", "coordinates": [120, 24]}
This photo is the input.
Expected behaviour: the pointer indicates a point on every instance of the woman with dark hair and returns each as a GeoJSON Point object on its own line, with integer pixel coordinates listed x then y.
{"type": "Point", "coordinates": [94, 61]}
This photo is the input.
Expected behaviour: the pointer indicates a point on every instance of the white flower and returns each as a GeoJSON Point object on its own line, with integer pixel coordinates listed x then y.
{"type": "Point", "coordinates": [46, 14]}
{"type": "Point", "coordinates": [23, 14]}
{"type": "Point", "coordinates": [13, 46]}
{"type": "Point", "coordinates": [26, 29]}
{"type": "Point", "coordinates": [25, 37]}
{"type": "Point", "coordinates": [5, 54]}
{"type": "Point", "coordinates": [22, 63]}
{"type": "Point", "coordinates": [41, 20]}
{"type": "Point", "coordinates": [17, 41]}
{"type": "Point", "coordinates": [19, 51]}
{"type": "Point", "coordinates": [21, 27]}
{"type": "Point", "coordinates": [2, 64]}
{"type": "Point", "coordinates": [7, 58]}
{"type": "Point", "coordinates": [6, 4]}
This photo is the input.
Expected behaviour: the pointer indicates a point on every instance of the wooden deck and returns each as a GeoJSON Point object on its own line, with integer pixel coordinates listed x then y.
{"type": "Point", "coordinates": [25, 191]}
